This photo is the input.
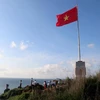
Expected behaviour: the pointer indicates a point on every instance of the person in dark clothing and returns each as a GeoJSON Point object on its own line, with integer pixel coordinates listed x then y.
{"type": "Point", "coordinates": [20, 84]}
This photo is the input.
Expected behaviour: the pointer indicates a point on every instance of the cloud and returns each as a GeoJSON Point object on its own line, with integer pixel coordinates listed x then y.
{"type": "Point", "coordinates": [53, 71]}
{"type": "Point", "coordinates": [13, 44]}
{"type": "Point", "coordinates": [3, 70]}
{"type": "Point", "coordinates": [46, 72]}
{"type": "Point", "coordinates": [1, 53]}
{"type": "Point", "coordinates": [23, 46]}
{"type": "Point", "coordinates": [90, 45]}
{"type": "Point", "coordinates": [1, 56]}
{"type": "Point", "coordinates": [42, 65]}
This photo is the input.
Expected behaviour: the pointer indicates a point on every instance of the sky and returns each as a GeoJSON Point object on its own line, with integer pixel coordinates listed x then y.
{"type": "Point", "coordinates": [32, 46]}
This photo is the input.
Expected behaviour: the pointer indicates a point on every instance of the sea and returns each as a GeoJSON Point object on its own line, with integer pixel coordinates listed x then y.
{"type": "Point", "coordinates": [14, 82]}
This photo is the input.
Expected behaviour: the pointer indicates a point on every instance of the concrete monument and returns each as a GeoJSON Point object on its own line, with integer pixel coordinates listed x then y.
{"type": "Point", "coordinates": [80, 69]}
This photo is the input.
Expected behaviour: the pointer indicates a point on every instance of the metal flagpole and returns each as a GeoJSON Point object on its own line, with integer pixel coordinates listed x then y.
{"type": "Point", "coordinates": [79, 50]}
{"type": "Point", "coordinates": [80, 64]}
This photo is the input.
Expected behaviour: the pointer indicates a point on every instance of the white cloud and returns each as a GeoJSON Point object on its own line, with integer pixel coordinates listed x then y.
{"type": "Point", "coordinates": [71, 63]}
{"type": "Point", "coordinates": [90, 45]}
{"type": "Point", "coordinates": [13, 44]}
{"type": "Point", "coordinates": [1, 53]}
{"type": "Point", "coordinates": [3, 70]}
{"type": "Point", "coordinates": [42, 65]}
{"type": "Point", "coordinates": [46, 72]}
{"type": "Point", "coordinates": [53, 71]}
{"type": "Point", "coordinates": [1, 56]}
{"type": "Point", "coordinates": [23, 46]}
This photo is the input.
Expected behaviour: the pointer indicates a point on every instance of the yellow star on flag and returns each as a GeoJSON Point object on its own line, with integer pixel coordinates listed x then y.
{"type": "Point", "coordinates": [66, 18]}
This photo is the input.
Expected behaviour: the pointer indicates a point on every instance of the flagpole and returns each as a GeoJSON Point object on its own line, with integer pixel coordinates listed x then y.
{"type": "Point", "coordinates": [79, 49]}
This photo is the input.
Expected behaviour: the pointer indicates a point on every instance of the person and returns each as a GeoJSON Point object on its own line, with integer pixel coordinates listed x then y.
{"type": "Point", "coordinates": [7, 85]}
{"type": "Point", "coordinates": [31, 81]}
{"type": "Point", "coordinates": [59, 81]}
{"type": "Point", "coordinates": [45, 84]}
{"type": "Point", "coordinates": [35, 82]}
{"type": "Point", "coordinates": [56, 82]}
{"type": "Point", "coordinates": [7, 88]}
{"type": "Point", "coordinates": [53, 83]}
{"type": "Point", "coordinates": [48, 84]}
{"type": "Point", "coordinates": [20, 84]}
{"type": "Point", "coordinates": [33, 85]}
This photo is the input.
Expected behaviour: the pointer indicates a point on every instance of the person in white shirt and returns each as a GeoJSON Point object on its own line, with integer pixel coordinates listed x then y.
{"type": "Point", "coordinates": [35, 82]}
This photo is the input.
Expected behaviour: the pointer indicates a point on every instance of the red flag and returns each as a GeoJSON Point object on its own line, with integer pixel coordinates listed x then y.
{"type": "Point", "coordinates": [67, 17]}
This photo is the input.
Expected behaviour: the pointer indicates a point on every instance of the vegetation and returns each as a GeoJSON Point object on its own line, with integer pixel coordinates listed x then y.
{"type": "Point", "coordinates": [70, 89]}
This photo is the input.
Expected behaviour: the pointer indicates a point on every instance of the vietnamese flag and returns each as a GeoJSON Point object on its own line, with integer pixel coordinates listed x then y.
{"type": "Point", "coordinates": [67, 17]}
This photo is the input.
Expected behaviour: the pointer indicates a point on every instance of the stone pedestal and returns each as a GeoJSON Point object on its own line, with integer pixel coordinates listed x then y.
{"type": "Point", "coordinates": [80, 69]}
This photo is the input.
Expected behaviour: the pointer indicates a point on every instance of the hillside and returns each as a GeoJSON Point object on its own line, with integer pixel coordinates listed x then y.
{"type": "Point", "coordinates": [70, 89]}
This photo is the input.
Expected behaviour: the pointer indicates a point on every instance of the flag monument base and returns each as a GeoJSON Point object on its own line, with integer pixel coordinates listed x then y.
{"type": "Point", "coordinates": [80, 70]}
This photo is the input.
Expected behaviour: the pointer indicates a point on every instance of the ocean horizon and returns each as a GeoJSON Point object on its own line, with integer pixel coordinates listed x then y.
{"type": "Point", "coordinates": [14, 82]}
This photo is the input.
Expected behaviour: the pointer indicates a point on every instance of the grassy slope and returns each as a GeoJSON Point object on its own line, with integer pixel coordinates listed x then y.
{"type": "Point", "coordinates": [88, 89]}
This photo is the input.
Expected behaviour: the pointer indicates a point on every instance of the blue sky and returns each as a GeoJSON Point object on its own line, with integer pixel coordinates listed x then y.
{"type": "Point", "coordinates": [31, 43]}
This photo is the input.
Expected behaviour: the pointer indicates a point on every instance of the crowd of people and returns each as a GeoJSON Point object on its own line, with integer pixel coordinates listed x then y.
{"type": "Point", "coordinates": [46, 84]}
{"type": "Point", "coordinates": [34, 83]}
